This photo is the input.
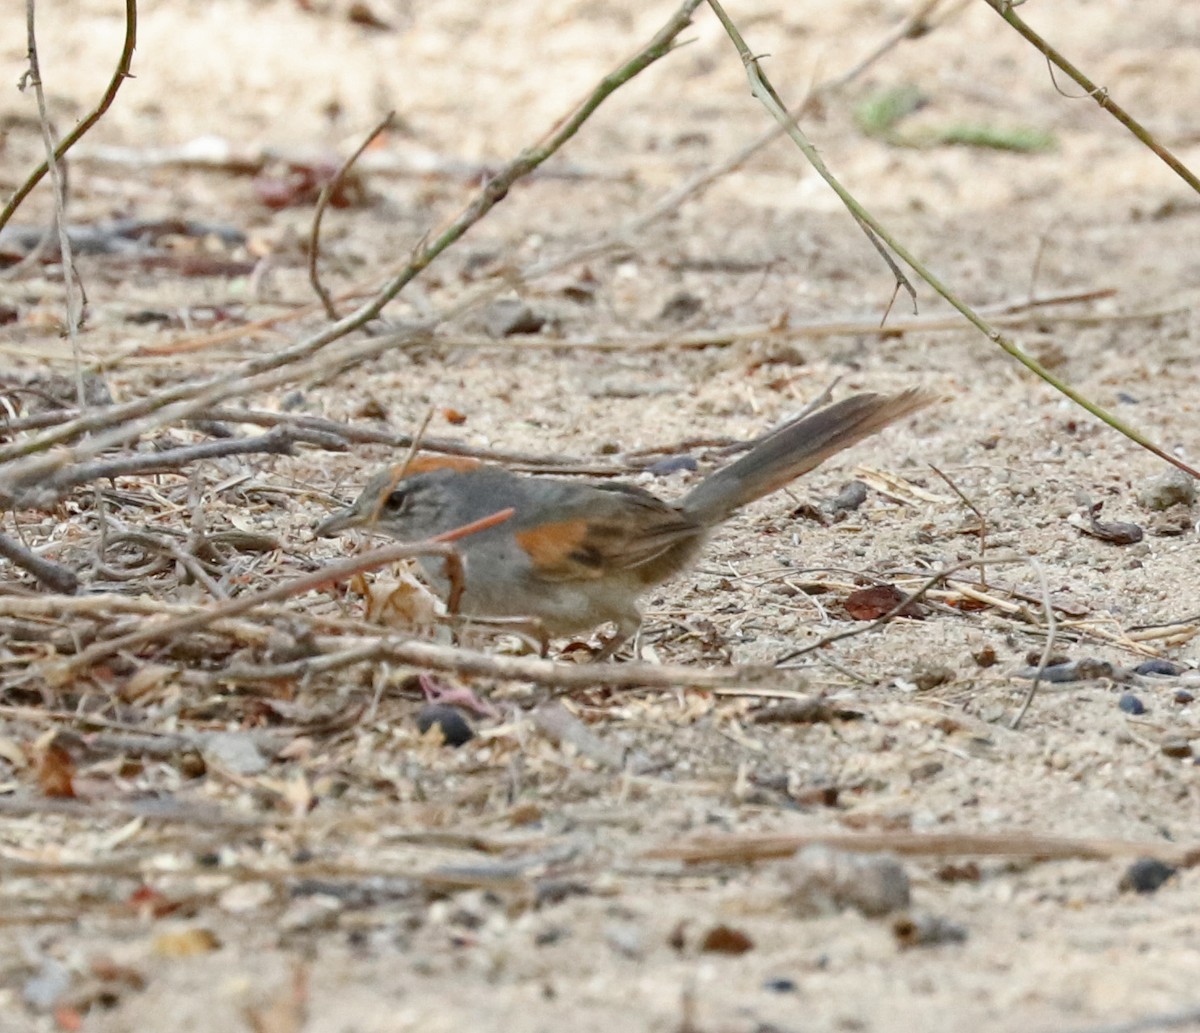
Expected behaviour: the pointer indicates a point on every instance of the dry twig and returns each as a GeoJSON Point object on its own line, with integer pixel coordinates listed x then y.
{"type": "Point", "coordinates": [748, 848]}
{"type": "Point", "coordinates": [121, 73]}
{"type": "Point", "coordinates": [314, 236]}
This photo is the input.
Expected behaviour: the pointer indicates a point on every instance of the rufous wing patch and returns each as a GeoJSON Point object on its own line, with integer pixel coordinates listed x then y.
{"type": "Point", "coordinates": [560, 550]}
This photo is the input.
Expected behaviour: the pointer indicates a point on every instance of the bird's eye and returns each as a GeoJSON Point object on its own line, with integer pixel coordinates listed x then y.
{"type": "Point", "coordinates": [395, 501]}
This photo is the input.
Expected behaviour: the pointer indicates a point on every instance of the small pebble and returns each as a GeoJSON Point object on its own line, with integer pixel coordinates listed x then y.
{"type": "Point", "coordinates": [1163, 667]}
{"type": "Point", "coordinates": [1172, 487]}
{"type": "Point", "coordinates": [926, 931]}
{"type": "Point", "coordinates": [1176, 746]}
{"type": "Point", "coordinates": [455, 728]}
{"type": "Point", "coordinates": [852, 495]}
{"type": "Point", "coordinates": [672, 463]}
{"type": "Point", "coordinates": [681, 307]}
{"type": "Point", "coordinates": [985, 656]}
{"type": "Point", "coordinates": [928, 675]}
{"type": "Point", "coordinates": [511, 316]}
{"type": "Point", "coordinates": [234, 751]}
{"type": "Point", "coordinates": [1183, 696]}
{"type": "Point", "coordinates": [825, 881]}
{"type": "Point", "coordinates": [1130, 704]}
{"type": "Point", "coordinates": [626, 939]}
{"type": "Point", "coordinates": [1145, 875]}
{"type": "Point", "coordinates": [780, 986]}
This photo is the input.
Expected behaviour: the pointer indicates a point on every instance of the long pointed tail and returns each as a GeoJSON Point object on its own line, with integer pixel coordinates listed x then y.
{"type": "Point", "coordinates": [795, 449]}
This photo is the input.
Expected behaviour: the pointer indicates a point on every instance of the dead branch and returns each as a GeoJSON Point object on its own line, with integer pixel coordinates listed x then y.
{"type": "Point", "coordinates": [44, 494]}
{"type": "Point", "coordinates": [330, 188]}
{"type": "Point", "coordinates": [122, 72]}
{"type": "Point", "coordinates": [53, 575]}
{"type": "Point", "coordinates": [749, 848]}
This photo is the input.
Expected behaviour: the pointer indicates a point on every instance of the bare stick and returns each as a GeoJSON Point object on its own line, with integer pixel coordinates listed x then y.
{"type": "Point", "coordinates": [58, 185]}
{"type": "Point", "coordinates": [761, 88]}
{"type": "Point", "coordinates": [983, 524]}
{"type": "Point", "coordinates": [47, 492]}
{"type": "Point", "coordinates": [565, 676]}
{"type": "Point", "coordinates": [124, 63]}
{"type": "Point", "coordinates": [1047, 649]}
{"type": "Point", "coordinates": [752, 847]}
{"type": "Point", "coordinates": [327, 191]}
{"type": "Point", "coordinates": [52, 575]}
{"type": "Point", "coordinates": [1099, 94]}
{"type": "Point", "coordinates": [439, 545]}
{"type": "Point", "coordinates": [1147, 1023]}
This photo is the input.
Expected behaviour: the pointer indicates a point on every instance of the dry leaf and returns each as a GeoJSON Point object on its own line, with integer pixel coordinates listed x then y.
{"type": "Point", "coordinates": [56, 772]}
{"type": "Point", "coordinates": [868, 604]}
{"type": "Point", "coordinates": [724, 939]}
{"type": "Point", "coordinates": [401, 602]}
{"type": "Point", "coordinates": [186, 943]}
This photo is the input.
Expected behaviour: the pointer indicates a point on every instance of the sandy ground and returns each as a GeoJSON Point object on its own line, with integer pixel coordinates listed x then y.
{"type": "Point", "coordinates": [318, 897]}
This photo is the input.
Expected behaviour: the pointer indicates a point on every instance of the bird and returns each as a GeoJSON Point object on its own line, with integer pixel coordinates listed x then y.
{"type": "Point", "coordinates": [574, 555]}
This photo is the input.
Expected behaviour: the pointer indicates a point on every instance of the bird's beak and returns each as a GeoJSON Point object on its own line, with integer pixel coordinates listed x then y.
{"type": "Point", "coordinates": [337, 522]}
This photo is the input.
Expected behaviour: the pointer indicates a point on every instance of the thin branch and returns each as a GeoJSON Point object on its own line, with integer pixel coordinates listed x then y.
{"type": "Point", "coordinates": [761, 88]}
{"type": "Point", "coordinates": [58, 183]}
{"type": "Point", "coordinates": [45, 493]}
{"type": "Point", "coordinates": [746, 848]}
{"type": "Point", "coordinates": [52, 575]}
{"type": "Point", "coordinates": [1047, 649]}
{"type": "Point", "coordinates": [314, 236]}
{"type": "Point", "coordinates": [122, 72]}
{"type": "Point", "coordinates": [1099, 94]}
{"type": "Point", "coordinates": [1147, 1023]}
{"type": "Point", "coordinates": [386, 436]}
{"type": "Point", "coordinates": [565, 676]}
{"type": "Point", "coordinates": [983, 524]}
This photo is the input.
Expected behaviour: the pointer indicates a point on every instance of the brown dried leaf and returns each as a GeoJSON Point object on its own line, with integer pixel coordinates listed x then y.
{"type": "Point", "coordinates": [724, 939]}
{"type": "Point", "coordinates": [56, 772]}
{"type": "Point", "coordinates": [868, 604]}
{"type": "Point", "coordinates": [186, 943]}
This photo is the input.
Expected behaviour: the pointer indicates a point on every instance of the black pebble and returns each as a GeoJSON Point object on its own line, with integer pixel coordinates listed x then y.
{"type": "Point", "coordinates": [456, 730]}
{"type": "Point", "coordinates": [1160, 667]}
{"type": "Point", "coordinates": [1146, 875]}
{"type": "Point", "coordinates": [1131, 704]}
{"type": "Point", "coordinates": [1183, 696]}
{"type": "Point", "coordinates": [780, 986]}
